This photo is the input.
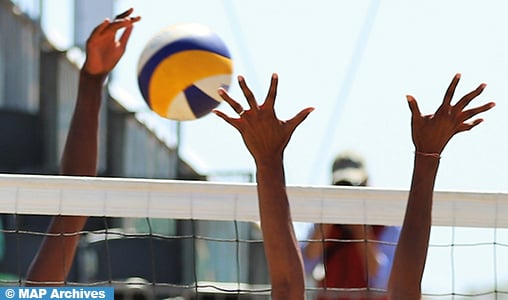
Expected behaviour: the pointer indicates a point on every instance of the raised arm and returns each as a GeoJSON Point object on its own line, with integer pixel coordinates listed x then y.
{"type": "Point", "coordinates": [54, 258]}
{"type": "Point", "coordinates": [266, 138]}
{"type": "Point", "coordinates": [430, 135]}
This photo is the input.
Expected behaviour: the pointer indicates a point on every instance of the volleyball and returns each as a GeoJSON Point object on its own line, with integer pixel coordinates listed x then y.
{"type": "Point", "coordinates": [180, 70]}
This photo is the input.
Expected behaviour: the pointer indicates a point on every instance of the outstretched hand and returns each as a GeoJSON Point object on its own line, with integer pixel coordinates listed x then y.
{"type": "Point", "coordinates": [431, 133]}
{"type": "Point", "coordinates": [263, 133]}
{"type": "Point", "coordinates": [103, 50]}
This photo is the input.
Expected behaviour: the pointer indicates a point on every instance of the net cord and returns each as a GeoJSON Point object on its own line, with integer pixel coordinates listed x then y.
{"type": "Point", "coordinates": [141, 198]}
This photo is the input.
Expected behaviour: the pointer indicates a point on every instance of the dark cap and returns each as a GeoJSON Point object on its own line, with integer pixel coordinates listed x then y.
{"type": "Point", "coordinates": [349, 169]}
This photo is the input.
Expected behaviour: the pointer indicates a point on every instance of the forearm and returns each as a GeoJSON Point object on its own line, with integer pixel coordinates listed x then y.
{"type": "Point", "coordinates": [281, 246]}
{"type": "Point", "coordinates": [411, 253]}
{"type": "Point", "coordinates": [80, 152]}
{"type": "Point", "coordinates": [54, 258]}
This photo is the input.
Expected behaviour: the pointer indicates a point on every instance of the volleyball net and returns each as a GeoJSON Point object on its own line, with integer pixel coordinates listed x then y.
{"type": "Point", "coordinates": [164, 239]}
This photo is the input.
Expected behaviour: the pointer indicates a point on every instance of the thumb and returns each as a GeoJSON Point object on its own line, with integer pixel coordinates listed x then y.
{"type": "Point", "coordinates": [413, 106]}
{"type": "Point", "coordinates": [299, 118]}
{"type": "Point", "coordinates": [226, 118]}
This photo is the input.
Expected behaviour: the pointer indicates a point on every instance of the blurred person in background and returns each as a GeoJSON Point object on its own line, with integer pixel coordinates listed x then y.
{"type": "Point", "coordinates": [355, 257]}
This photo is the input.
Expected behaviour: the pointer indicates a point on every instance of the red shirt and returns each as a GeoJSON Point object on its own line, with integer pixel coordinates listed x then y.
{"type": "Point", "coordinates": [345, 265]}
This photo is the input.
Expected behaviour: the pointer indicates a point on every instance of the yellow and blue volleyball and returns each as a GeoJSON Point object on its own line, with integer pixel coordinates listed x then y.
{"type": "Point", "coordinates": [180, 70]}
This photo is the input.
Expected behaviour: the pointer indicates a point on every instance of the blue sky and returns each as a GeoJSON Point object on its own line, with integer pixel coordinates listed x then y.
{"type": "Point", "coordinates": [354, 61]}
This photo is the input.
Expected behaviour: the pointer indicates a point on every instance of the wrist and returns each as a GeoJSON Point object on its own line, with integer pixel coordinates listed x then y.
{"type": "Point", "coordinates": [84, 74]}
{"type": "Point", "coordinates": [268, 162]}
{"type": "Point", "coordinates": [435, 155]}
{"type": "Point", "coordinates": [429, 161]}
